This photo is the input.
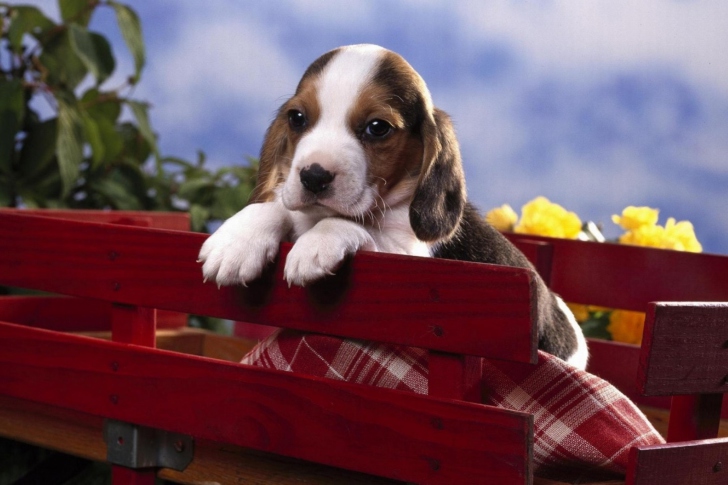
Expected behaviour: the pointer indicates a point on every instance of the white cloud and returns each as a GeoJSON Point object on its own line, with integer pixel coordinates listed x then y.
{"type": "Point", "coordinates": [230, 61]}
{"type": "Point", "coordinates": [332, 15]}
{"type": "Point", "coordinates": [591, 37]}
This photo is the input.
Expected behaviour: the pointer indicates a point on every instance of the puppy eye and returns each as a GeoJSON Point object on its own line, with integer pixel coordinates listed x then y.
{"type": "Point", "coordinates": [378, 129]}
{"type": "Point", "coordinates": [296, 119]}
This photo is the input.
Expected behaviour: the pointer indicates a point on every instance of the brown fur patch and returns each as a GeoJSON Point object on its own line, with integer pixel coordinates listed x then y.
{"type": "Point", "coordinates": [394, 95]}
{"type": "Point", "coordinates": [279, 144]}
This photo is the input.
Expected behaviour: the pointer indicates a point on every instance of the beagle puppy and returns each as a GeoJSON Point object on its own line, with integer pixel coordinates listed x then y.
{"type": "Point", "coordinates": [360, 159]}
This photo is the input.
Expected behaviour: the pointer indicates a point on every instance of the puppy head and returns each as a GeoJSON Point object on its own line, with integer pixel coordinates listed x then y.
{"type": "Point", "coordinates": [360, 135]}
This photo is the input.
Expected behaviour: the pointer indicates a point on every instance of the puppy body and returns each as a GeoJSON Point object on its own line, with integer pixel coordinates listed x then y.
{"type": "Point", "coordinates": [360, 159]}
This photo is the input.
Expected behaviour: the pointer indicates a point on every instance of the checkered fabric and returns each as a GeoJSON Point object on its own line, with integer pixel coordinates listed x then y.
{"type": "Point", "coordinates": [584, 427]}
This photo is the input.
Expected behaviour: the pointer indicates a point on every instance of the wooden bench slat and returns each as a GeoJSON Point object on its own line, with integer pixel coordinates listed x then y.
{"type": "Point", "coordinates": [81, 435]}
{"type": "Point", "coordinates": [395, 434]}
{"type": "Point", "coordinates": [450, 306]}
{"type": "Point", "coordinates": [685, 349]}
{"type": "Point", "coordinates": [703, 462]}
{"type": "Point", "coordinates": [176, 221]}
{"type": "Point", "coordinates": [66, 314]}
{"type": "Point", "coordinates": [629, 277]}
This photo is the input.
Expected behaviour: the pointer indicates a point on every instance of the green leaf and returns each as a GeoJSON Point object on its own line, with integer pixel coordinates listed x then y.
{"type": "Point", "coordinates": [136, 146]}
{"type": "Point", "coordinates": [93, 137]}
{"type": "Point", "coordinates": [228, 201]}
{"type": "Point", "coordinates": [77, 11]}
{"type": "Point", "coordinates": [145, 128]}
{"type": "Point", "coordinates": [131, 30]}
{"type": "Point", "coordinates": [100, 105]}
{"type": "Point", "coordinates": [175, 161]}
{"type": "Point", "coordinates": [596, 328]}
{"type": "Point", "coordinates": [116, 194]}
{"type": "Point", "coordinates": [26, 20]}
{"type": "Point", "coordinates": [195, 189]}
{"type": "Point", "coordinates": [198, 217]}
{"type": "Point", "coordinates": [39, 149]}
{"type": "Point", "coordinates": [44, 192]}
{"type": "Point", "coordinates": [65, 68]}
{"type": "Point", "coordinates": [69, 144]}
{"type": "Point", "coordinates": [94, 51]}
{"type": "Point", "coordinates": [137, 182]}
{"type": "Point", "coordinates": [12, 111]}
{"type": "Point", "coordinates": [111, 139]}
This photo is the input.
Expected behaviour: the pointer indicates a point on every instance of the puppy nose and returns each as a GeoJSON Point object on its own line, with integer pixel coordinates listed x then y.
{"type": "Point", "coordinates": [316, 178]}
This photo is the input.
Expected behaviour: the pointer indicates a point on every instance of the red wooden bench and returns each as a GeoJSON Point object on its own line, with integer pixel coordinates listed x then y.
{"type": "Point", "coordinates": [220, 421]}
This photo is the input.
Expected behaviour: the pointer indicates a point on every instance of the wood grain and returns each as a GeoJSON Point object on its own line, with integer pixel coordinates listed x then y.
{"type": "Point", "coordinates": [629, 277]}
{"type": "Point", "coordinates": [176, 221]}
{"type": "Point", "coordinates": [450, 306]}
{"type": "Point", "coordinates": [399, 435]}
{"type": "Point", "coordinates": [81, 435]}
{"type": "Point", "coordinates": [695, 463]}
{"type": "Point", "coordinates": [53, 428]}
{"type": "Point", "coordinates": [71, 314]}
{"type": "Point", "coordinates": [694, 417]}
{"type": "Point", "coordinates": [685, 349]}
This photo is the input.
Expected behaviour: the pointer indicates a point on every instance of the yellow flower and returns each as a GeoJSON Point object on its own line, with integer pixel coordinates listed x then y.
{"type": "Point", "coordinates": [649, 236]}
{"type": "Point", "coordinates": [581, 312]}
{"type": "Point", "coordinates": [502, 218]}
{"type": "Point", "coordinates": [626, 326]}
{"type": "Point", "coordinates": [635, 217]}
{"type": "Point", "coordinates": [544, 218]}
{"type": "Point", "coordinates": [681, 236]}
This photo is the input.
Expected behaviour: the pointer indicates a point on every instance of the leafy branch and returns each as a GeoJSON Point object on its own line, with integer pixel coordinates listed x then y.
{"type": "Point", "coordinates": [98, 148]}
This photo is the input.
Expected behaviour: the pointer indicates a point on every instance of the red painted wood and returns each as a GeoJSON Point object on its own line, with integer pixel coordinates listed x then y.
{"type": "Point", "coordinates": [694, 417]}
{"type": "Point", "coordinates": [451, 306]}
{"type": "Point", "coordinates": [400, 435]}
{"type": "Point", "coordinates": [71, 314]}
{"type": "Point", "coordinates": [134, 325]}
{"type": "Point", "coordinates": [177, 221]}
{"type": "Point", "coordinates": [617, 363]}
{"type": "Point", "coordinates": [685, 349]}
{"type": "Point", "coordinates": [695, 463]}
{"type": "Point", "coordinates": [126, 476]}
{"type": "Point", "coordinates": [455, 376]}
{"type": "Point", "coordinates": [629, 277]}
{"type": "Point", "coordinates": [540, 253]}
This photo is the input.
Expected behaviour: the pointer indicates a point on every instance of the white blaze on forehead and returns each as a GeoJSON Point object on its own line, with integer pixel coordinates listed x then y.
{"type": "Point", "coordinates": [343, 78]}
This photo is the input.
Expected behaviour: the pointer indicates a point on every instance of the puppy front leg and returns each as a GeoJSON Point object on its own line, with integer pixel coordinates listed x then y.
{"type": "Point", "coordinates": [240, 249]}
{"type": "Point", "coordinates": [320, 250]}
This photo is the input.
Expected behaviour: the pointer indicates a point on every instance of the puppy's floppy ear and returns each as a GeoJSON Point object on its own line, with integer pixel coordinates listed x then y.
{"type": "Point", "coordinates": [269, 168]}
{"type": "Point", "coordinates": [439, 198]}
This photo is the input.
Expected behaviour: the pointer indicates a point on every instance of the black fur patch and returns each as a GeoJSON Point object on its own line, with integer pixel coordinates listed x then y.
{"type": "Point", "coordinates": [316, 67]}
{"type": "Point", "coordinates": [407, 97]}
{"type": "Point", "coordinates": [475, 240]}
{"type": "Point", "coordinates": [439, 199]}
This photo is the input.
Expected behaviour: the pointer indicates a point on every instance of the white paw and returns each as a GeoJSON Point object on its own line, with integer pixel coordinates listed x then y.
{"type": "Point", "coordinates": [321, 250]}
{"type": "Point", "coordinates": [312, 258]}
{"type": "Point", "coordinates": [240, 249]}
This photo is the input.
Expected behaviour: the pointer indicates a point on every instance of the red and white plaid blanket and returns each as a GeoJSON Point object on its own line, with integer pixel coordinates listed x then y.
{"type": "Point", "coordinates": [584, 427]}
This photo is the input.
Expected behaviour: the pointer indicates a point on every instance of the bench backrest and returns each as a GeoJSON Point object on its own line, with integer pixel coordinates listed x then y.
{"type": "Point", "coordinates": [684, 353]}
{"type": "Point", "coordinates": [625, 277]}
{"type": "Point", "coordinates": [458, 310]}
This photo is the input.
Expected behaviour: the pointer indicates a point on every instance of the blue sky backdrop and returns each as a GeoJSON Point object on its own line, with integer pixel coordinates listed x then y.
{"type": "Point", "coordinates": [596, 105]}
